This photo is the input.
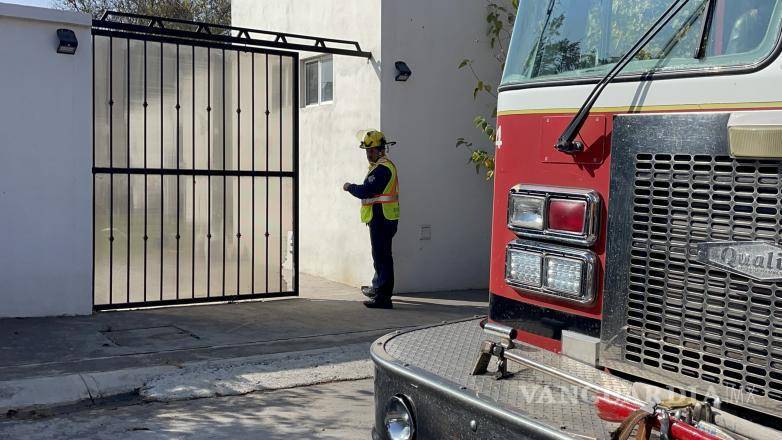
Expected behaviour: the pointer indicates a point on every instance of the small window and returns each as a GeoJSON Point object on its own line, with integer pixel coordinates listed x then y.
{"type": "Point", "coordinates": [318, 81]}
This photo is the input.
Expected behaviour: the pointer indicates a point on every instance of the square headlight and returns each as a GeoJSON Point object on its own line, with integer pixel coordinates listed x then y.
{"type": "Point", "coordinates": [526, 211]}
{"type": "Point", "coordinates": [552, 270]}
{"type": "Point", "coordinates": [564, 275]}
{"type": "Point", "coordinates": [524, 267]}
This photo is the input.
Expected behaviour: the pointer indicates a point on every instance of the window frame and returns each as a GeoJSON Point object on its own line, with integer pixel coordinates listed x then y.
{"type": "Point", "coordinates": [692, 72]}
{"type": "Point", "coordinates": [304, 81]}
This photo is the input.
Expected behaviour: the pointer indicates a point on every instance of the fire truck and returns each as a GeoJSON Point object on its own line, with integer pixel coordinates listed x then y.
{"type": "Point", "coordinates": [636, 255]}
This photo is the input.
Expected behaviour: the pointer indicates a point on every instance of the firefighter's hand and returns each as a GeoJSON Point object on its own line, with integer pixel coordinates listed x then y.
{"type": "Point", "coordinates": [345, 186]}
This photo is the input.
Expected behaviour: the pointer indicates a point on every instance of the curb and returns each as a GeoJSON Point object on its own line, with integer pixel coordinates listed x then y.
{"type": "Point", "coordinates": [55, 391]}
{"type": "Point", "coordinates": [165, 383]}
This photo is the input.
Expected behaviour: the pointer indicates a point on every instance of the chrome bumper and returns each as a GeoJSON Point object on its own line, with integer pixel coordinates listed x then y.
{"type": "Point", "coordinates": [431, 366]}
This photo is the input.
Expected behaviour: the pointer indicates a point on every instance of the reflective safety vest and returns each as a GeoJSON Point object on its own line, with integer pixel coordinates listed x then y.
{"type": "Point", "coordinates": [389, 199]}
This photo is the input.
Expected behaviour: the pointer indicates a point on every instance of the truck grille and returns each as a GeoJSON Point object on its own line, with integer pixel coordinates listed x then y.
{"type": "Point", "coordinates": [687, 318]}
{"type": "Point", "coordinates": [667, 316]}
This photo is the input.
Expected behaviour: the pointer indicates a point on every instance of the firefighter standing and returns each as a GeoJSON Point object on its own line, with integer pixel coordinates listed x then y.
{"type": "Point", "coordinates": [379, 196]}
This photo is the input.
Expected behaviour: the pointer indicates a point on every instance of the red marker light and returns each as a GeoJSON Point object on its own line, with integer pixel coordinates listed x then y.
{"type": "Point", "coordinates": [567, 215]}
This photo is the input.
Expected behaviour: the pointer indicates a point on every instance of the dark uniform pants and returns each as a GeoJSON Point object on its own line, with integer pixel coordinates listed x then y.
{"type": "Point", "coordinates": [381, 233]}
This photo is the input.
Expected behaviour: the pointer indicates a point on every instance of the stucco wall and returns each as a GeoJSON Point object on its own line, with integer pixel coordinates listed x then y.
{"type": "Point", "coordinates": [334, 244]}
{"type": "Point", "coordinates": [45, 170]}
{"type": "Point", "coordinates": [425, 115]}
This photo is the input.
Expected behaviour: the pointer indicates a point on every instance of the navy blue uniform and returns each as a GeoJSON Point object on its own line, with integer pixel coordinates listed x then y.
{"type": "Point", "coordinates": [381, 231]}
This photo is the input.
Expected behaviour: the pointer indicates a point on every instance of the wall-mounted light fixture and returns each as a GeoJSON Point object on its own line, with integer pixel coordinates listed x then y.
{"type": "Point", "coordinates": [68, 41]}
{"type": "Point", "coordinates": [403, 72]}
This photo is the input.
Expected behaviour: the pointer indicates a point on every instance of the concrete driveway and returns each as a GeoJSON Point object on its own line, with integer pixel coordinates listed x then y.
{"type": "Point", "coordinates": [296, 368]}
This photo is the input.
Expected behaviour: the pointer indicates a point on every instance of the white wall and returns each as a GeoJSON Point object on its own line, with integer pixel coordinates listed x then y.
{"type": "Point", "coordinates": [425, 115]}
{"type": "Point", "coordinates": [45, 167]}
{"type": "Point", "coordinates": [334, 243]}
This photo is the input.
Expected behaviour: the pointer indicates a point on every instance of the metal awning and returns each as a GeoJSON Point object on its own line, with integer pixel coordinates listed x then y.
{"type": "Point", "coordinates": [194, 30]}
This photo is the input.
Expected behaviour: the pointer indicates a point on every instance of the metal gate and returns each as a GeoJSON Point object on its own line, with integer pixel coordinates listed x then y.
{"type": "Point", "coordinates": [195, 161]}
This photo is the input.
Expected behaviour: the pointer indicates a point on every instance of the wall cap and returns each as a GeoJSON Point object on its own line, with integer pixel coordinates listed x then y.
{"type": "Point", "coordinates": [8, 10]}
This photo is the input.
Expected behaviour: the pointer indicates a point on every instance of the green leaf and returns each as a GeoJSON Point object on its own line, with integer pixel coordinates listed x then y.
{"type": "Point", "coordinates": [465, 62]}
{"type": "Point", "coordinates": [477, 89]}
{"type": "Point", "coordinates": [477, 120]}
{"type": "Point", "coordinates": [462, 141]}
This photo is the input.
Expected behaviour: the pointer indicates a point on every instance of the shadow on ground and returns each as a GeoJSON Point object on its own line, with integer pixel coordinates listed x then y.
{"type": "Point", "coordinates": [342, 410]}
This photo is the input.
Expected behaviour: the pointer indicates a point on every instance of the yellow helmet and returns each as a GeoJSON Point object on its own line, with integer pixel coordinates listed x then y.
{"type": "Point", "coordinates": [374, 139]}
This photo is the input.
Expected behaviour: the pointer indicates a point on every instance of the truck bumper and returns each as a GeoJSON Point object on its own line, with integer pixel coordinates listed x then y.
{"type": "Point", "coordinates": [431, 368]}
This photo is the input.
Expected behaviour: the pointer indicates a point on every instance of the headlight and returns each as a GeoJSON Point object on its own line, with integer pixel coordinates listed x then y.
{"type": "Point", "coordinates": [399, 421]}
{"type": "Point", "coordinates": [526, 211]}
{"type": "Point", "coordinates": [564, 274]}
{"type": "Point", "coordinates": [524, 267]}
{"type": "Point", "coordinates": [552, 270]}
{"type": "Point", "coordinates": [553, 213]}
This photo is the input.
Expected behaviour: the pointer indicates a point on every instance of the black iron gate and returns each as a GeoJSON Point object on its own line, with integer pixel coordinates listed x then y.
{"type": "Point", "coordinates": [195, 161]}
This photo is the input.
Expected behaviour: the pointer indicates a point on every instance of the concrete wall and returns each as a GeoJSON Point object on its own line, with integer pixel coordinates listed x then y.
{"type": "Point", "coordinates": [45, 169]}
{"type": "Point", "coordinates": [425, 115]}
{"type": "Point", "coordinates": [334, 243]}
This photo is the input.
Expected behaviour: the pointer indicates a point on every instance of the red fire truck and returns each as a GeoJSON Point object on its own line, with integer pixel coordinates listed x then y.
{"type": "Point", "coordinates": [636, 256]}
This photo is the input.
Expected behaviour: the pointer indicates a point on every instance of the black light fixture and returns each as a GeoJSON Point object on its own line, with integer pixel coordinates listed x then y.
{"type": "Point", "coordinates": [68, 41]}
{"type": "Point", "coordinates": [403, 72]}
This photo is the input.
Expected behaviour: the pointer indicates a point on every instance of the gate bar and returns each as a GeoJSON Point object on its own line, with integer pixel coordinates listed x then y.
{"type": "Point", "coordinates": [239, 165]}
{"type": "Point", "coordinates": [197, 300]}
{"type": "Point", "coordinates": [147, 24]}
{"type": "Point", "coordinates": [225, 178]}
{"type": "Point", "coordinates": [111, 164]}
{"type": "Point", "coordinates": [130, 183]}
{"type": "Point", "coordinates": [162, 179]}
{"type": "Point", "coordinates": [178, 179]}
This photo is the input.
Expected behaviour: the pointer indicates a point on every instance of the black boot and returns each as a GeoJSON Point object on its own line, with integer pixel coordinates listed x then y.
{"type": "Point", "coordinates": [379, 303]}
{"type": "Point", "coordinates": [368, 291]}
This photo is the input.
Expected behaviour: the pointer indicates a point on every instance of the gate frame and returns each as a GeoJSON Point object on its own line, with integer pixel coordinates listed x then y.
{"type": "Point", "coordinates": [130, 26]}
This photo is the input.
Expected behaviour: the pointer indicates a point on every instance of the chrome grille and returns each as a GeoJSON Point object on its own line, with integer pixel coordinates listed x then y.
{"type": "Point", "coordinates": [687, 319]}
{"type": "Point", "coordinates": [666, 316]}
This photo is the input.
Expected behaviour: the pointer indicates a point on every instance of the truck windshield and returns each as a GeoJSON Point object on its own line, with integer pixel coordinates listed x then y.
{"type": "Point", "coordinates": [566, 39]}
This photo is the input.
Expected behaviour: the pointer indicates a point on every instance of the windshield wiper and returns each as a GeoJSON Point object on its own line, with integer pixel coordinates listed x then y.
{"type": "Point", "coordinates": [566, 142]}
{"type": "Point", "coordinates": [538, 53]}
{"type": "Point", "coordinates": [685, 28]}
{"type": "Point", "coordinates": [700, 52]}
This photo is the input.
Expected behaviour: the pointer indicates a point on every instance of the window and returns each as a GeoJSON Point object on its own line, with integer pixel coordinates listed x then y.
{"type": "Point", "coordinates": [585, 38]}
{"type": "Point", "coordinates": [318, 81]}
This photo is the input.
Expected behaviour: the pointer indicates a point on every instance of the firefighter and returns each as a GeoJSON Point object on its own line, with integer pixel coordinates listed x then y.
{"type": "Point", "coordinates": [379, 196]}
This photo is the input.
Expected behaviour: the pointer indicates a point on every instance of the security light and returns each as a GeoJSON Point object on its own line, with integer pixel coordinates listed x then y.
{"type": "Point", "coordinates": [68, 41]}
{"type": "Point", "coordinates": [403, 72]}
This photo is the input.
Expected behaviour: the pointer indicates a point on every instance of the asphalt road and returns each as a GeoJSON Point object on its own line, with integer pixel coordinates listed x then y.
{"type": "Point", "coordinates": [338, 410]}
